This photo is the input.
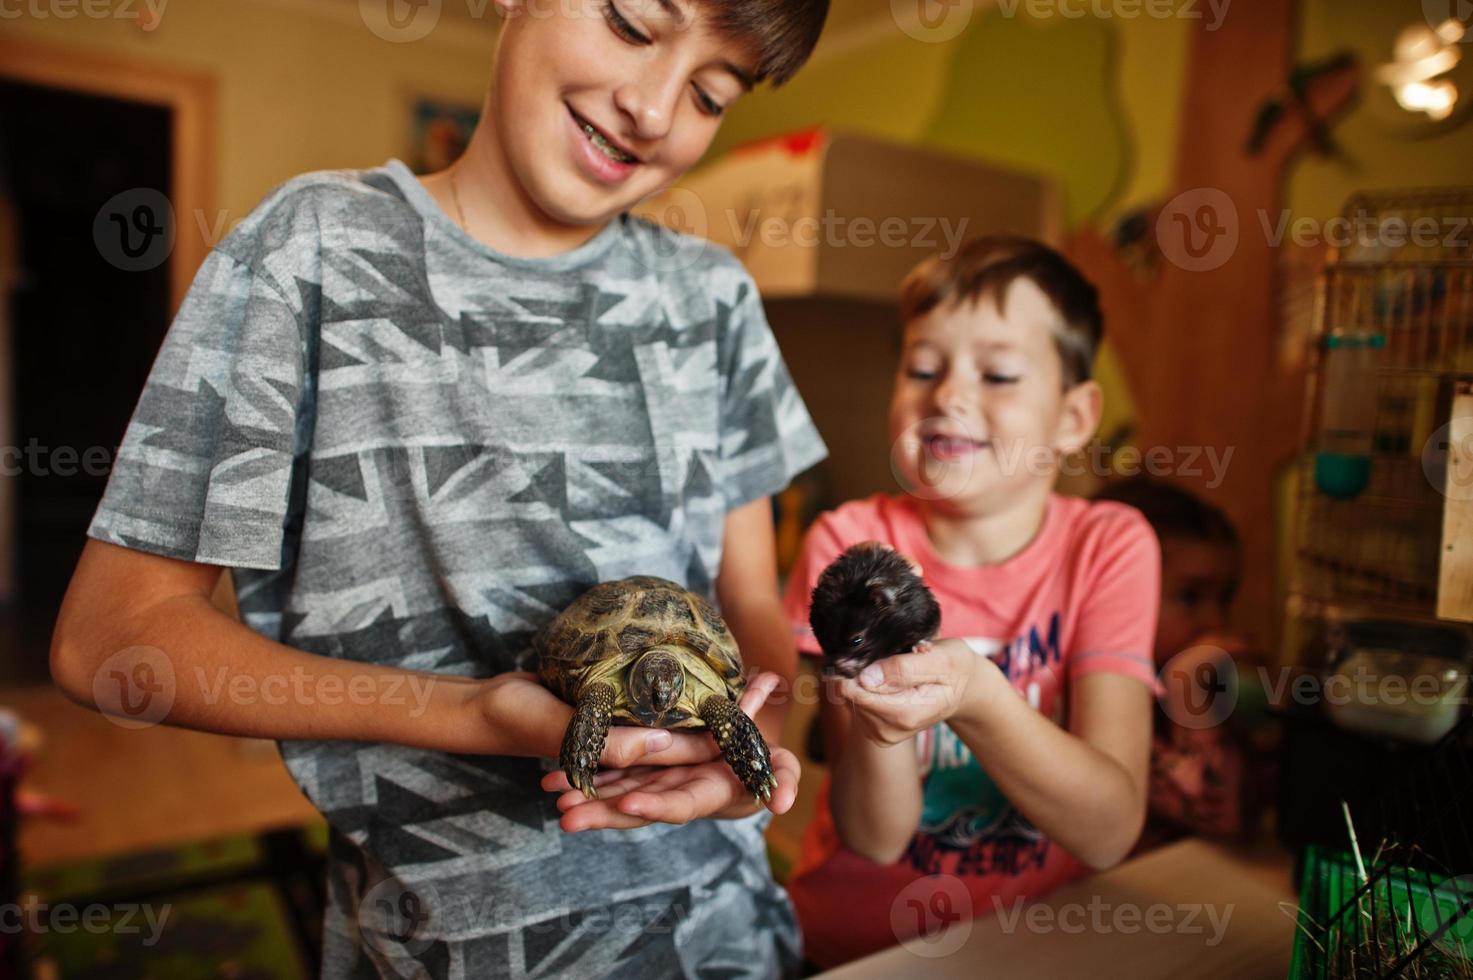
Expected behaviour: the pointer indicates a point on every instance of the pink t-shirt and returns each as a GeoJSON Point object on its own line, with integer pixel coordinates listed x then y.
{"type": "Point", "coordinates": [1081, 597]}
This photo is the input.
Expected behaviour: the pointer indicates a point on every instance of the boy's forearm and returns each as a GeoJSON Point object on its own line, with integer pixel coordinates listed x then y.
{"type": "Point", "coordinates": [875, 797]}
{"type": "Point", "coordinates": [1076, 794]}
{"type": "Point", "coordinates": [228, 679]}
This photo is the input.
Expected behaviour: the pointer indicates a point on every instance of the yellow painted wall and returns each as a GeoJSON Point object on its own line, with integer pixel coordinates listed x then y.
{"type": "Point", "coordinates": [1378, 156]}
{"type": "Point", "coordinates": [304, 84]}
{"type": "Point", "coordinates": [301, 85]}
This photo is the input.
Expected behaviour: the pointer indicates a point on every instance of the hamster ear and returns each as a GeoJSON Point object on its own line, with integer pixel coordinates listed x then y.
{"type": "Point", "coordinates": [881, 593]}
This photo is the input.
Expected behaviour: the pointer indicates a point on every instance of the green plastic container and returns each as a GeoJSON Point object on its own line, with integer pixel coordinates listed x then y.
{"type": "Point", "coordinates": [1330, 881]}
{"type": "Point", "coordinates": [1346, 438]}
{"type": "Point", "coordinates": [1342, 475]}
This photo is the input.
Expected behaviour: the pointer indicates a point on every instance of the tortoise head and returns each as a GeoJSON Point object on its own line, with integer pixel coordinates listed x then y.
{"type": "Point", "coordinates": [656, 681]}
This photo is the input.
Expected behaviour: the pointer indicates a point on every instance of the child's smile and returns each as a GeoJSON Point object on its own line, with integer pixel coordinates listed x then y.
{"type": "Point", "coordinates": [979, 409]}
{"type": "Point", "coordinates": [634, 91]}
{"type": "Point", "coordinates": [946, 444]}
{"type": "Point", "coordinates": [601, 156]}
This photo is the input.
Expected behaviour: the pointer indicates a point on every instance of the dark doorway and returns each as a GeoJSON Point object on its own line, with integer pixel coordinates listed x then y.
{"type": "Point", "coordinates": [87, 314]}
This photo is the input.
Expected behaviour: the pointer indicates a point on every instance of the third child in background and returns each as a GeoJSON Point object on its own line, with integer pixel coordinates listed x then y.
{"type": "Point", "coordinates": [1210, 775]}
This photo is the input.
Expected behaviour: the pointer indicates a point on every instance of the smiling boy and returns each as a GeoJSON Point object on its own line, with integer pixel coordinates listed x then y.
{"type": "Point", "coordinates": [1011, 754]}
{"type": "Point", "coordinates": [418, 417]}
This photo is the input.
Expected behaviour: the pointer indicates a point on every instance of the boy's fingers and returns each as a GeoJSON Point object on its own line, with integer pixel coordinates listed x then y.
{"type": "Point", "coordinates": [686, 750]}
{"type": "Point", "coordinates": [898, 706]}
{"type": "Point", "coordinates": [786, 768]}
{"type": "Point", "coordinates": [598, 816]}
{"type": "Point", "coordinates": [623, 746]}
{"type": "Point", "coordinates": [930, 664]}
{"type": "Point", "coordinates": [557, 782]}
{"type": "Point", "coordinates": [606, 793]}
{"type": "Point", "coordinates": [580, 813]}
{"type": "Point", "coordinates": [613, 783]}
{"type": "Point", "coordinates": [672, 795]}
{"type": "Point", "coordinates": [759, 689]}
{"type": "Point", "coordinates": [628, 745]}
{"type": "Point", "coordinates": [678, 804]}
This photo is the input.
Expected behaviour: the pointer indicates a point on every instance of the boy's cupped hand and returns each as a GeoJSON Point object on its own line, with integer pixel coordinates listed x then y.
{"type": "Point", "coordinates": [523, 718]}
{"type": "Point", "coordinates": [894, 698]}
{"type": "Point", "coordinates": [657, 791]}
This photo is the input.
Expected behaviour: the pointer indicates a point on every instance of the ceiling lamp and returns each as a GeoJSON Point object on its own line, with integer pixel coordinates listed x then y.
{"type": "Point", "coordinates": [1423, 54]}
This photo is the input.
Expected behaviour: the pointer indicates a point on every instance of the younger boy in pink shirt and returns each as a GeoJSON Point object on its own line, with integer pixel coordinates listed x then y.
{"type": "Point", "coordinates": [1013, 753]}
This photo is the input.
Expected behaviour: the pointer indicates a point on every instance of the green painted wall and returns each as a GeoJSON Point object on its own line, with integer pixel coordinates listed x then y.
{"type": "Point", "coordinates": [1038, 96]}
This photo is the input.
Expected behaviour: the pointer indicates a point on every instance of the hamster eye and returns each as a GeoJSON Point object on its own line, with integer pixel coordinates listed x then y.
{"type": "Point", "coordinates": [856, 639]}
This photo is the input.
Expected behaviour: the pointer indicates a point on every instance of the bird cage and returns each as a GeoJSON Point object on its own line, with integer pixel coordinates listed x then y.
{"type": "Point", "coordinates": [1384, 522]}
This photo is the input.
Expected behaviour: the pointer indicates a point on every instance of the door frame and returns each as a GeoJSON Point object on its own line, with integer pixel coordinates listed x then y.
{"type": "Point", "coordinates": [193, 131]}
{"type": "Point", "coordinates": [191, 95]}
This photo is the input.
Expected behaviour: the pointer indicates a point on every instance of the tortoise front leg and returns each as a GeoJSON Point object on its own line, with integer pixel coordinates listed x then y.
{"type": "Point", "coordinates": [583, 742]}
{"type": "Point", "coordinates": [742, 745]}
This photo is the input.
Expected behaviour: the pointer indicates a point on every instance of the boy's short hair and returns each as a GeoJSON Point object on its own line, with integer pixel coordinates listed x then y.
{"type": "Point", "coordinates": [1173, 513]}
{"type": "Point", "coordinates": [783, 32]}
{"type": "Point", "coordinates": [986, 267]}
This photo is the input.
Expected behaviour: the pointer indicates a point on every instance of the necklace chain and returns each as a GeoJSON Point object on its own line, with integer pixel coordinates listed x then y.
{"type": "Point", "coordinates": [455, 196]}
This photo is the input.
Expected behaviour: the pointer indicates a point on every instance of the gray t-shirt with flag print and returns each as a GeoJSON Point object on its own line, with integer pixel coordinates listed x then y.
{"type": "Point", "coordinates": [415, 451]}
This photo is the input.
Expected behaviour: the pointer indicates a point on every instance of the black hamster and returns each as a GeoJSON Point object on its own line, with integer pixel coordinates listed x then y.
{"type": "Point", "coordinates": [869, 604]}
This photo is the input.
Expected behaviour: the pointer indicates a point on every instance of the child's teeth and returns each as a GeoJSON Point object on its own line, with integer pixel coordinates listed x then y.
{"type": "Point", "coordinates": [609, 150]}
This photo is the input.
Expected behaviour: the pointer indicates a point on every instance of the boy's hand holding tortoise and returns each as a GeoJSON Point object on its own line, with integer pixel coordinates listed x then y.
{"type": "Point", "coordinates": [645, 652]}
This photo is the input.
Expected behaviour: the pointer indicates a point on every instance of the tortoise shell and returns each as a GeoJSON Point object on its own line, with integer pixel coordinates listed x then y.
{"type": "Point", "coordinates": [621, 620]}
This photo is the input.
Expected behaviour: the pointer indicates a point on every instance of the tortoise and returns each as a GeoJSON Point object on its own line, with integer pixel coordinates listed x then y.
{"type": "Point", "coordinates": [644, 651]}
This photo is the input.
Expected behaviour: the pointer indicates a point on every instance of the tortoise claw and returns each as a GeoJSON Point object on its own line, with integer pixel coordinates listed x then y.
{"type": "Point", "coordinates": [583, 782]}
{"type": "Point", "coordinates": [583, 742]}
{"type": "Point", "coordinates": [741, 745]}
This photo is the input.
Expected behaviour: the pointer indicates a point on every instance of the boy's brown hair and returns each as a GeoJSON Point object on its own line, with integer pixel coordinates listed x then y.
{"type": "Point", "coordinates": [781, 32]}
{"type": "Point", "coordinates": [986, 267]}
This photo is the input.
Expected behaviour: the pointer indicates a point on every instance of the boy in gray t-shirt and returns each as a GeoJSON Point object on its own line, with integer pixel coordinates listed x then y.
{"type": "Point", "coordinates": [420, 416]}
